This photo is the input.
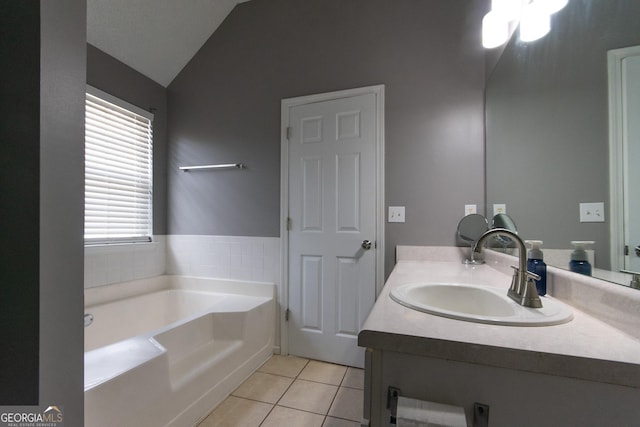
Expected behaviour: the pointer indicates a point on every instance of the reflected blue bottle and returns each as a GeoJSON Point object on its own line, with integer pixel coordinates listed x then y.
{"type": "Point", "coordinates": [535, 264]}
{"type": "Point", "coordinates": [579, 261]}
{"type": "Point", "coordinates": [580, 266]}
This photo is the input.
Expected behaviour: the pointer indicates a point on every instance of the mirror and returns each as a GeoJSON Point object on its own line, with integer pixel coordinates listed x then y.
{"type": "Point", "coordinates": [471, 227]}
{"type": "Point", "coordinates": [547, 126]}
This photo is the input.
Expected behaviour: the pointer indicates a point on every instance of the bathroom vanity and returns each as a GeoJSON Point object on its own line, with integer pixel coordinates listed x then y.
{"type": "Point", "coordinates": [585, 372]}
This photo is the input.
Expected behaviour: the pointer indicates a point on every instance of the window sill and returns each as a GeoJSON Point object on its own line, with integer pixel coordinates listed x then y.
{"type": "Point", "coordinates": [122, 246]}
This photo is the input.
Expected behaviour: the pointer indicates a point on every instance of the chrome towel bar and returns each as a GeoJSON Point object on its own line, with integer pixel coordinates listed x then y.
{"type": "Point", "coordinates": [222, 166]}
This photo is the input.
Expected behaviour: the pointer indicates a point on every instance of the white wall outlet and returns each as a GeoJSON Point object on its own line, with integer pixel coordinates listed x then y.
{"type": "Point", "coordinates": [499, 208]}
{"type": "Point", "coordinates": [592, 212]}
{"type": "Point", "coordinates": [396, 213]}
{"type": "Point", "coordinates": [470, 209]}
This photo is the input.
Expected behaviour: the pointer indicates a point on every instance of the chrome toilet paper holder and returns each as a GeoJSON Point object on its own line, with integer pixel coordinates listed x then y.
{"type": "Point", "coordinates": [480, 410]}
{"type": "Point", "coordinates": [393, 394]}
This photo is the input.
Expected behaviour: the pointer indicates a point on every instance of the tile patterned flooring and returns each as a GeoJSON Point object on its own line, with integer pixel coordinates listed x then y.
{"type": "Point", "coordinates": [292, 391]}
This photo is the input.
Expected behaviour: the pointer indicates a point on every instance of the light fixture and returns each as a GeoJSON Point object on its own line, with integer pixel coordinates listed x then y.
{"type": "Point", "coordinates": [533, 16]}
{"type": "Point", "coordinates": [495, 30]}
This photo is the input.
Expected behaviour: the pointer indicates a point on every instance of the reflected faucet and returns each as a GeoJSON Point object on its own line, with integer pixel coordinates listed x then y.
{"type": "Point", "coordinates": [635, 277]}
{"type": "Point", "coordinates": [523, 287]}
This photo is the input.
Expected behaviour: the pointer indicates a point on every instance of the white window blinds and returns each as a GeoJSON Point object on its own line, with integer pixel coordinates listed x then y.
{"type": "Point", "coordinates": [118, 171]}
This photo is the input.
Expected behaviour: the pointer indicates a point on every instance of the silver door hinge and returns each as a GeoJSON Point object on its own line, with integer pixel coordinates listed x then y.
{"type": "Point", "coordinates": [288, 223]}
{"type": "Point", "coordinates": [289, 132]}
{"type": "Point", "coordinates": [286, 315]}
{"type": "Point", "coordinates": [626, 250]}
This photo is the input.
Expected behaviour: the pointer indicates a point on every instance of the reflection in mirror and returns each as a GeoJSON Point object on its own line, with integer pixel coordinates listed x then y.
{"type": "Point", "coordinates": [470, 228]}
{"type": "Point", "coordinates": [502, 220]}
{"type": "Point", "coordinates": [624, 129]}
{"type": "Point", "coordinates": [547, 126]}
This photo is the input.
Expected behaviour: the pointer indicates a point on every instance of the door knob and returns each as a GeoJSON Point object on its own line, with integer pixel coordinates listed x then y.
{"type": "Point", "coordinates": [366, 245]}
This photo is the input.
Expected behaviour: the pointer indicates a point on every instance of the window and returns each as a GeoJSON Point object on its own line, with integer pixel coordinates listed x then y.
{"type": "Point", "coordinates": [118, 171]}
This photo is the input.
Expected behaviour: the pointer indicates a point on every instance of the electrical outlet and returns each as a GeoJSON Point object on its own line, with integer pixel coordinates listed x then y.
{"type": "Point", "coordinates": [470, 209]}
{"type": "Point", "coordinates": [499, 208]}
{"type": "Point", "coordinates": [592, 212]}
{"type": "Point", "coordinates": [396, 213]}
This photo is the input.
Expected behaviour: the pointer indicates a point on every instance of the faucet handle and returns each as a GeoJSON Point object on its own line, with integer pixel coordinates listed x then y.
{"type": "Point", "coordinates": [520, 283]}
{"type": "Point", "coordinates": [514, 288]}
{"type": "Point", "coordinates": [531, 275]}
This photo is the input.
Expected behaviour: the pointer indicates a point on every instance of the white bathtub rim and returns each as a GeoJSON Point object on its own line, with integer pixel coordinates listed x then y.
{"type": "Point", "coordinates": [99, 295]}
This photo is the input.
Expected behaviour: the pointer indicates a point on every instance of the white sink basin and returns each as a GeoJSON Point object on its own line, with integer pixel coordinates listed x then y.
{"type": "Point", "coordinates": [482, 304]}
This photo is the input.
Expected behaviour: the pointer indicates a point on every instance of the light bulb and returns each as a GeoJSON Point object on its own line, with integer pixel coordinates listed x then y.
{"type": "Point", "coordinates": [495, 30]}
{"type": "Point", "coordinates": [535, 22]}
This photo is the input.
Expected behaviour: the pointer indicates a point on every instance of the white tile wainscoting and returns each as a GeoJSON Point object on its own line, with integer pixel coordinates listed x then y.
{"type": "Point", "coordinates": [224, 257]}
{"type": "Point", "coordinates": [117, 263]}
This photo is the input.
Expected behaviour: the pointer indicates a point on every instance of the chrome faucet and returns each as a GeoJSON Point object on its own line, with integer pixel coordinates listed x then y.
{"type": "Point", "coordinates": [523, 287]}
{"type": "Point", "coordinates": [635, 278]}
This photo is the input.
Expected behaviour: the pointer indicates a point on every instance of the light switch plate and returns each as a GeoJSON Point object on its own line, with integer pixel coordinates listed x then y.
{"type": "Point", "coordinates": [499, 208]}
{"type": "Point", "coordinates": [470, 209]}
{"type": "Point", "coordinates": [592, 212]}
{"type": "Point", "coordinates": [396, 213]}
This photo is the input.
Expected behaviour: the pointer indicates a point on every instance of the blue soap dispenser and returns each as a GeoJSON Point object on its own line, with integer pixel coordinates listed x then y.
{"type": "Point", "coordinates": [579, 261]}
{"type": "Point", "coordinates": [535, 264]}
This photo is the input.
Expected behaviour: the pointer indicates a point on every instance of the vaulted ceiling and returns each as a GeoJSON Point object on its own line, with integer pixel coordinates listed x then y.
{"type": "Point", "coordinates": [155, 37]}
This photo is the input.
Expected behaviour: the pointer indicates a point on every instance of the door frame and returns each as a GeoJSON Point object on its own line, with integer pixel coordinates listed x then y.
{"type": "Point", "coordinates": [286, 105]}
{"type": "Point", "coordinates": [617, 152]}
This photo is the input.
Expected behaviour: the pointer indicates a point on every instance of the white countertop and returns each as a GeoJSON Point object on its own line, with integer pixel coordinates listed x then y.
{"type": "Point", "coordinates": [584, 348]}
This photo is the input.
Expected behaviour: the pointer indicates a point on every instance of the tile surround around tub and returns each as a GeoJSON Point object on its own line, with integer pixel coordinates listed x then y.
{"type": "Point", "coordinates": [108, 264]}
{"type": "Point", "coordinates": [225, 257]}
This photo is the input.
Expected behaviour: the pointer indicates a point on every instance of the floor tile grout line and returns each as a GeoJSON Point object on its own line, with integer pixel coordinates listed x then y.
{"type": "Point", "coordinates": [285, 392]}
{"type": "Point", "coordinates": [342, 418]}
{"type": "Point", "coordinates": [344, 376]}
{"type": "Point", "coordinates": [352, 388]}
{"type": "Point", "coordinates": [302, 410]}
{"type": "Point", "coordinates": [338, 389]}
{"type": "Point", "coordinates": [319, 382]}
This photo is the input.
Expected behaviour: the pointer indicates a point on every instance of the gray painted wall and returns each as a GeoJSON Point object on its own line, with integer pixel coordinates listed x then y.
{"type": "Point", "coordinates": [112, 76]}
{"type": "Point", "coordinates": [547, 123]}
{"type": "Point", "coordinates": [43, 227]}
{"type": "Point", "coordinates": [225, 107]}
{"type": "Point", "coordinates": [19, 201]}
{"type": "Point", "coordinates": [62, 88]}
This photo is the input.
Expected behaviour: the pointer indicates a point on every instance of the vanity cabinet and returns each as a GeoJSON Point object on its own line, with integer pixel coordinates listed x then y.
{"type": "Point", "coordinates": [582, 373]}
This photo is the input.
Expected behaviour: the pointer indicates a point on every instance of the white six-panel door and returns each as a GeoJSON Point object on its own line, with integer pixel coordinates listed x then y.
{"type": "Point", "coordinates": [332, 210]}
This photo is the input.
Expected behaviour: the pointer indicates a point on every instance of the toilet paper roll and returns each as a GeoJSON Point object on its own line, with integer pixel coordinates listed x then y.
{"type": "Point", "coordinates": [421, 413]}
